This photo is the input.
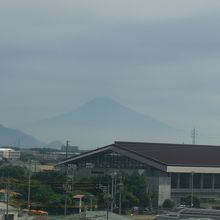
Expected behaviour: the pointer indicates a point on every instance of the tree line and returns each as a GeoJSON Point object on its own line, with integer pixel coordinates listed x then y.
{"type": "Point", "coordinates": [49, 190]}
{"type": "Point", "coordinates": [52, 190]}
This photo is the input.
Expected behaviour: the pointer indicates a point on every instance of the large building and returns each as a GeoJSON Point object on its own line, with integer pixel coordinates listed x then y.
{"type": "Point", "coordinates": [172, 171]}
{"type": "Point", "coordinates": [9, 154]}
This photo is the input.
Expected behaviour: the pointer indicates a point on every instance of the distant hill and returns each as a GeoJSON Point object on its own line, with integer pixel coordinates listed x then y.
{"type": "Point", "coordinates": [17, 138]}
{"type": "Point", "coordinates": [104, 120]}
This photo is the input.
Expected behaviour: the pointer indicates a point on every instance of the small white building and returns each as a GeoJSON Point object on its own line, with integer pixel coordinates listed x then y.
{"type": "Point", "coordinates": [5, 210]}
{"type": "Point", "coordinates": [10, 154]}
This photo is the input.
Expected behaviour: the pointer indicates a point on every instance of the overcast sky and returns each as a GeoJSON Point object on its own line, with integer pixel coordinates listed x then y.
{"type": "Point", "coordinates": [160, 58]}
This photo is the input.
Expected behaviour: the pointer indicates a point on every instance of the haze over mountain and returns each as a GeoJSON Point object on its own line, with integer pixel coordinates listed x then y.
{"type": "Point", "coordinates": [17, 138]}
{"type": "Point", "coordinates": [158, 57]}
{"type": "Point", "coordinates": [102, 121]}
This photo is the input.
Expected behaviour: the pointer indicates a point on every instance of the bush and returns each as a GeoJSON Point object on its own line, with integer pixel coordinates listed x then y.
{"type": "Point", "coordinates": [187, 201]}
{"type": "Point", "coordinates": [168, 204]}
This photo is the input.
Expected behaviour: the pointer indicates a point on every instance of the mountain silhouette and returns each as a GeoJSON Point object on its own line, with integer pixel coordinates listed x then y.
{"type": "Point", "coordinates": [17, 138]}
{"type": "Point", "coordinates": [104, 120]}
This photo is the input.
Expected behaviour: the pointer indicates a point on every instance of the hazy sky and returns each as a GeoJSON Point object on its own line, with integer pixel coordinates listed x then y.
{"type": "Point", "coordinates": [160, 58]}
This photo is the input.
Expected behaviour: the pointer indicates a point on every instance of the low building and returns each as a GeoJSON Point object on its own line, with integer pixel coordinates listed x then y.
{"type": "Point", "coordinates": [42, 168]}
{"type": "Point", "coordinates": [172, 171]}
{"type": "Point", "coordinates": [10, 154]}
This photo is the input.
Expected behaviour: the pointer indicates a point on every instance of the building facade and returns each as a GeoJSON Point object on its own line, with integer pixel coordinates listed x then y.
{"type": "Point", "coordinates": [172, 171]}
{"type": "Point", "coordinates": [10, 154]}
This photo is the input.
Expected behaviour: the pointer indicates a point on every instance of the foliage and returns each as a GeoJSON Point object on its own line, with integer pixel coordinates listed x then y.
{"type": "Point", "coordinates": [12, 171]}
{"type": "Point", "coordinates": [187, 201]}
{"type": "Point", "coordinates": [42, 195]}
{"type": "Point", "coordinates": [44, 187]}
{"type": "Point", "coordinates": [134, 191]}
{"type": "Point", "coordinates": [210, 200]}
{"type": "Point", "coordinates": [55, 179]}
{"type": "Point", "coordinates": [168, 204]}
{"type": "Point", "coordinates": [47, 189]}
{"type": "Point", "coordinates": [136, 185]}
{"type": "Point", "coordinates": [129, 200]}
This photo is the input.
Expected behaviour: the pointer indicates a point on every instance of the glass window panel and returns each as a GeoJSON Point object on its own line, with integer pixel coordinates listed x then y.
{"type": "Point", "coordinates": [207, 181]}
{"type": "Point", "coordinates": [217, 181]}
{"type": "Point", "coordinates": [197, 180]}
{"type": "Point", "coordinates": [184, 180]}
{"type": "Point", "coordinates": [174, 180]}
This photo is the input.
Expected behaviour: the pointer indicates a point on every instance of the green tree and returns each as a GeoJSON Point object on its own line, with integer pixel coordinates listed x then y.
{"type": "Point", "coordinates": [47, 190]}
{"type": "Point", "coordinates": [168, 204]}
{"type": "Point", "coordinates": [55, 179]}
{"type": "Point", "coordinates": [137, 185]}
{"type": "Point", "coordinates": [13, 171]}
{"type": "Point", "coordinates": [134, 192]}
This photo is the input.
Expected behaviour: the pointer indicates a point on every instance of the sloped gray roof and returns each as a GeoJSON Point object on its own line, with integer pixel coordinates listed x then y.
{"type": "Point", "coordinates": [160, 155]}
{"type": "Point", "coordinates": [175, 154]}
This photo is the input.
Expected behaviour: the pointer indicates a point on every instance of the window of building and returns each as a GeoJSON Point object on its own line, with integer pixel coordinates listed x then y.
{"type": "Point", "coordinates": [217, 181]}
{"type": "Point", "coordinates": [207, 181]}
{"type": "Point", "coordinates": [197, 180]}
{"type": "Point", "coordinates": [174, 180]}
{"type": "Point", "coordinates": [184, 180]}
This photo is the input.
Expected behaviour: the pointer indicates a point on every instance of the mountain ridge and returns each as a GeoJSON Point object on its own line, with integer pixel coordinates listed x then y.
{"type": "Point", "coordinates": [103, 120]}
{"type": "Point", "coordinates": [17, 138]}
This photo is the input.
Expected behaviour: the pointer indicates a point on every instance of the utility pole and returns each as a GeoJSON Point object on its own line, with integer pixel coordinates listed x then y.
{"type": "Point", "coordinates": [108, 201]}
{"type": "Point", "coordinates": [65, 205]}
{"type": "Point", "coordinates": [120, 194]}
{"type": "Point", "coordinates": [194, 136]}
{"type": "Point", "coordinates": [67, 145]}
{"type": "Point", "coordinates": [112, 192]}
{"type": "Point", "coordinates": [73, 167]}
{"type": "Point", "coordinates": [7, 202]}
{"type": "Point", "coordinates": [192, 183]}
{"type": "Point", "coordinates": [115, 190]}
{"type": "Point", "coordinates": [29, 185]}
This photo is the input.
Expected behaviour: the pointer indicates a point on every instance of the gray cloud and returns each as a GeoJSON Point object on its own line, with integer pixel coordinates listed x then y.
{"type": "Point", "coordinates": [158, 57]}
